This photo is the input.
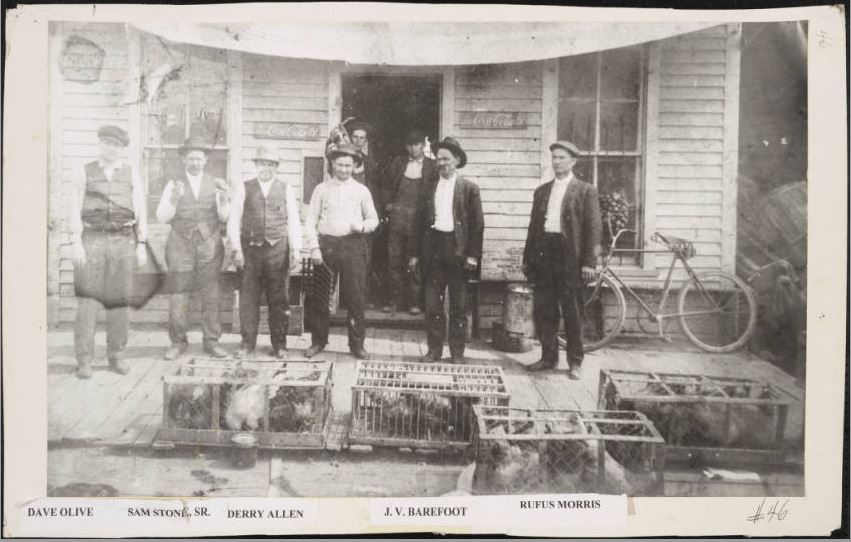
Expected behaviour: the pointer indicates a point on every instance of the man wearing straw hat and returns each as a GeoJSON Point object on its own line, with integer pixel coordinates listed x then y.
{"type": "Point", "coordinates": [195, 204]}
{"type": "Point", "coordinates": [109, 229]}
{"type": "Point", "coordinates": [560, 256]}
{"type": "Point", "coordinates": [341, 215]}
{"type": "Point", "coordinates": [447, 243]}
{"type": "Point", "coordinates": [264, 231]}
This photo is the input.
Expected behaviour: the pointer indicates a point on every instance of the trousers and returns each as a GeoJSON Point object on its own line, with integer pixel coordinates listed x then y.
{"type": "Point", "coordinates": [552, 298]}
{"type": "Point", "coordinates": [194, 263]}
{"type": "Point", "coordinates": [404, 285]}
{"type": "Point", "coordinates": [110, 261]}
{"type": "Point", "coordinates": [267, 268]}
{"type": "Point", "coordinates": [346, 255]}
{"type": "Point", "coordinates": [445, 269]}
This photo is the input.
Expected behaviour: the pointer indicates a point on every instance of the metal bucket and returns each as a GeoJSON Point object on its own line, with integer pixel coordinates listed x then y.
{"type": "Point", "coordinates": [517, 315]}
{"type": "Point", "coordinates": [244, 451]}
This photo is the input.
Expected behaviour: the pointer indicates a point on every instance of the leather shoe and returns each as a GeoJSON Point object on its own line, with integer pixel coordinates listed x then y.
{"type": "Point", "coordinates": [215, 350]}
{"type": "Point", "coordinates": [574, 373]}
{"type": "Point", "coordinates": [430, 357]}
{"type": "Point", "coordinates": [386, 309]}
{"type": "Point", "coordinates": [280, 353]}
{"type": "Point", "coordinates": [84, 371]}
{"type": "Point", "coordinates": [174, 352]}
{"type": "Point", "coordinates": [540, 365]}
{"type": "Point", "coordinates": [313, 350]}
{"type": "Point", "coordinates": [361, 353]}
{"type": "Point", "coordinates": [414, 311]}
{"type": "Point", "coordinates": [119, 366]}
{"type": "Point", "coordinates": [243, 351]}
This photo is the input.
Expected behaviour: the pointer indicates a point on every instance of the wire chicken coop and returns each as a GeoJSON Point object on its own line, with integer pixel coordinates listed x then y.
{"type": "Point", "coordinates": [421, 405]}
{"type": "Point", "coordinates": [284, 404]}
{"type": "Point", "coordinates": [731, 420]}
{"type": "Point", "coordinates": [566, 451]}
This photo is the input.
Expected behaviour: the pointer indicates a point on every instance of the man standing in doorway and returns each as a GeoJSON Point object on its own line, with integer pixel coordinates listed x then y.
{"type": "Point", "coordinates": [447, 240]}
{"type": "Point", "coordinates": [404, 189]}
{"type": "Point", "coordinates": [195, 204]}
{"type": "Point", "coordinates": [340, 217]}
{"type": "Point", "coordinates": [560, 257]}
{"type": "Point", "coordinates": [109, 229]}
{"type": "Point", "coordinates": [264, 231]}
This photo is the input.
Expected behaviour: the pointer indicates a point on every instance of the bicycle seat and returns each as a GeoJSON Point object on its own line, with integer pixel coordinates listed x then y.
{"type": "Point", "coordinates": [681, 246]}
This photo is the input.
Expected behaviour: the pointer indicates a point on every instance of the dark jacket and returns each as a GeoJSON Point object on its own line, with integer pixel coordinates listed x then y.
{"type": "Point", "coordinates": [581, 228]}
{"type": "Point", "coordinates": [369, 178]}
{"type": "Point", "coordinates": [468, 216]}
{"type": "Point", "coordinates": [392, 176]}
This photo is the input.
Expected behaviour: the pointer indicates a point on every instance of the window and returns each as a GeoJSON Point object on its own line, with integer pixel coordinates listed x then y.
{"type": "Point", "coordinates": [184, 92]}
{"type": "Point", "coordinates": [601, 111]}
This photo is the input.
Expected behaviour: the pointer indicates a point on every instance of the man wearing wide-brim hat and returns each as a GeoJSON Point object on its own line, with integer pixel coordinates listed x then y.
{"type": "Point", "coordinates": [196, 204]}
{"type": "Point", "coordinates": [264, 232]}
{"type": "Point", "coordinates": [447, 245]}
{"type": "Point", "coordinates": [560, 256]}
{"type": "Point", "coordinates": [340, 216]}
{"type": "Point", "coordinates": [109, 230]}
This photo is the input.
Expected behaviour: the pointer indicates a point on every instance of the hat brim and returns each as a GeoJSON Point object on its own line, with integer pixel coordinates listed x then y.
{"type": "Point", "coordinates": [454, 149]}
{"type": "Point", "coordinates": [333, 155]}
{"type": "Point", "coordinates": [186, 150]}
{"type": "Point", "coordinates": [572, 152]}
{"type": "Point", "coordinates": [272, 160]}
{"type": "Point", "coordinates": [114, 140]}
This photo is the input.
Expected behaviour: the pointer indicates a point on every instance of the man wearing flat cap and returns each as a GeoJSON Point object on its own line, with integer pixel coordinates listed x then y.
{"type": "Point", "coordinates": [109, 229]}
{"type": "Point", "coordinates": [560, 257]}
{"type": "Point", "coordinates": [447, 244]}
{"type": "Point", "coordinates": [340, 216]}
{"type": "Point", "coordinates": [405, 182]}
{"type": "Point", "coordinates": [264, 231]}
{"type": "Point", "coordinates": [195, 204]}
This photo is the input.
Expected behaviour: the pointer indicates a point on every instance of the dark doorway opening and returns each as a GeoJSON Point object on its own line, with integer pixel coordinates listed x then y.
{"type": "Point", "coordinates": [391, 105]}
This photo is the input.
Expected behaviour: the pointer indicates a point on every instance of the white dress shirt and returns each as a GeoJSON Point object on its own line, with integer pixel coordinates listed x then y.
{"type": "Point", "coordinates": [234, 227]}
{"type": "Point", "coordinates": [443, 197]}
{"type": "Point", "coordinates": [338, 206]}
{"type": "Point", "coordinates": [414, 169]}
{"type": "Point", "coordinates": [165, 209]}
{"type": "Point", "coordinates": [553, 222]}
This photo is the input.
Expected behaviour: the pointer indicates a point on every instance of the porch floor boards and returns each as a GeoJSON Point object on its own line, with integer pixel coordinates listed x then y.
{"type": "Point", "coordinates": [111, 409]}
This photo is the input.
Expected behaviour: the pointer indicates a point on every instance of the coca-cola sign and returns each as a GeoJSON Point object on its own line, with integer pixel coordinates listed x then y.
{"type": "Point", "coordinates": [494, 120]}
{"type": "Point", "coordinates": [287, 130]}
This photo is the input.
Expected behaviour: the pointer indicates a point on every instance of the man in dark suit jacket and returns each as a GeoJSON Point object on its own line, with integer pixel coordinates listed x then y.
{"type": "Point", "coordinates": [405, 180]}
{"type": "Point", "coordinates": [447, 242]}
{"type": "Point", "coordinates": [560, 257]}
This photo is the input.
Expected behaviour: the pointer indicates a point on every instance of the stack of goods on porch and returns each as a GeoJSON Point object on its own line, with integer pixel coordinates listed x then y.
{"type": "Point", "coordinates": [614, 209]}
{"type": "Point", "coordinates": [702, 418]}
{"type": "Point", "coordinates": [421, 405]}
{"type": "Point", "coordinates": [566, 451]}
{"type": "Point", "coordinates": [208, 401]}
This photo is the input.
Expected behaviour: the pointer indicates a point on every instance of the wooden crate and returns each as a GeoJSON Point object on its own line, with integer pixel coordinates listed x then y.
{"type": "Point", "coordinates": [566, 451]}
{"type": "Point", "coordinates": [421, 405]}
{"type": "Point", "coordinates": [284, 404]}
{"type": "Point", "coordinates": [704, 419]}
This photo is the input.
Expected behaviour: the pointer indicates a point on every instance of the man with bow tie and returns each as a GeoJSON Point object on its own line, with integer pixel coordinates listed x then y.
{"type": "Point", "coordinates": [196, 204]}
{"type": "Point", "coordinates": [560, 256]}
{"type": "Point", "coordinates": [447, 244]}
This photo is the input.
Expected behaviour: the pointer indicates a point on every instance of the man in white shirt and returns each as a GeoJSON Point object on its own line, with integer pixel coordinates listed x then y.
{"type": "Point", "coordinates": [560, 256]}
{"type": "Point", "coordinates": [264, 232]}
{"type": "Point", "coordinates": [109, 230]}
{"type": "Point", "coordinates": [195, 204]}
{"type": "Point", "coordinates": [340, 216]}
{"type": "Point", "coordinates": [447, 244]}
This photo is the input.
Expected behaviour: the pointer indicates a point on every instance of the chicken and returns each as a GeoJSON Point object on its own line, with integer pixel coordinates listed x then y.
{"type": "Point", "coordinates": [245, 407]}
{"type": "Point", "coordinates": [291, 410]}
{"type": "Point", "coordinates": [190, 406]}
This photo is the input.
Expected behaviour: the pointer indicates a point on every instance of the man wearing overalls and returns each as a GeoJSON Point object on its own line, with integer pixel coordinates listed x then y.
{"type": "Point", "coordinates": [195, 204]}
{"type": "Point", "coordinates": [109, 230]}
{"type": "Point", "coordinates": [264, 231]}
{"type": "Point", "coordinates": [406, 177]}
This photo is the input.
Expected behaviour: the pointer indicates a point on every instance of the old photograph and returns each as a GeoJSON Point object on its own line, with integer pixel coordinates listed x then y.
{"type": "Point", "coordinates": [419, 259]}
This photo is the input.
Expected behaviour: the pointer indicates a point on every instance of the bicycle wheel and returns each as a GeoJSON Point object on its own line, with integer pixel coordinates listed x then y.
{"type": "Point", "coordinates": [721, 316]}
{"type": "Point", "coordinates": [603, 315]}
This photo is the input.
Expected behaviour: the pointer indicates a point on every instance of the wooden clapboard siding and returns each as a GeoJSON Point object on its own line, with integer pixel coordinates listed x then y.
{"type": "Point", "coordinates": [506, 164]}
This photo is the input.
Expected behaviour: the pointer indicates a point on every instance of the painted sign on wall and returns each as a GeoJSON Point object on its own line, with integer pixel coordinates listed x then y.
{"type": "Point", "coordinates": [82, 60]}
{"type": "Point", "coordinates": [287, 130]}
{"type": "Point", "coordinates": [494, 120]}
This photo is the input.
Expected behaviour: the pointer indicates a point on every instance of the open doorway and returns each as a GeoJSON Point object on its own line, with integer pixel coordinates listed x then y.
{"type": "Point", "coordinates": [391, 105]}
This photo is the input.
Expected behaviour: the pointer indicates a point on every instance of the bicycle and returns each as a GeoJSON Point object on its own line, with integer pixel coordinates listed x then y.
{"type": "Point", "coordinates": [716, 310]}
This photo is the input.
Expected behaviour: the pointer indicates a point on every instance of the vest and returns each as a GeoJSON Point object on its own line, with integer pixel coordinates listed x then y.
{"type": "Point", "coordinates": [198, 215]}
{"type": "Point", "coordinates": [264, 219]}
{"type": "Point", "coordinates": [108, 204]}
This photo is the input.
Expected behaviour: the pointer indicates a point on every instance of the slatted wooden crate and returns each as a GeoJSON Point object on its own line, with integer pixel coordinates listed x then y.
{"type": "Point", "coordinates": [421, 405]}
{"type": "Point", "coordinates": [704, 419]}
{"type": "Point", "coordinates": [566, 451]}
{"type": "Point", "coordinates": [284, 404]}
